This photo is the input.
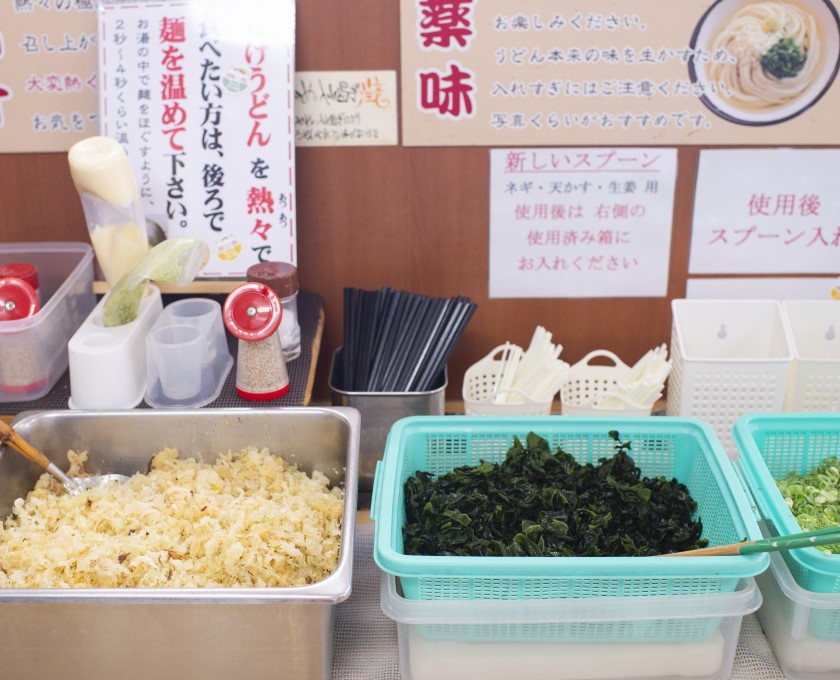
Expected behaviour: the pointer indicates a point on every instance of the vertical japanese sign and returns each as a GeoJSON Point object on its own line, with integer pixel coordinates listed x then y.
{"type": "Point", "coordinates": [765, 211]}
{"type": "Point", "coordinates": [48, 74]}
{"type": "Point", "coordinates": [612, 72]}
{"type": "Point", "coordinates": [200, 95]}
{"type": "Point", "coordinates": [581, 222]}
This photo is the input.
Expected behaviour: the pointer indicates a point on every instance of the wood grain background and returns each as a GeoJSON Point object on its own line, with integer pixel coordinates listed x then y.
{"type": "Point", "coordinates": [410, 218]}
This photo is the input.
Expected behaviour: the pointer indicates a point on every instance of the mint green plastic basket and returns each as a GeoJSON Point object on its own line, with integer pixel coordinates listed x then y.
{"type": "Point", "coordinates": [771, 446]}
{"type": "Point", "coordinates": [684, 448]}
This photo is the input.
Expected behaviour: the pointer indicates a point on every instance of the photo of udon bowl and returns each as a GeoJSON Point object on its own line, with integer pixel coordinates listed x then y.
{"type": "Point", "coordinates": [764, 62]}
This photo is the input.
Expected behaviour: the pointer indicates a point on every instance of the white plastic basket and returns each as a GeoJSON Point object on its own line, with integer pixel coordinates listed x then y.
{"type": "Point", "coordinates": [729, 358]}
{"type": "Point", "coordinates": [814, 379]}
{"type": "Point", "coordinates": [479, 391]}
{"type": "Point", "coordinates": [588, 386]}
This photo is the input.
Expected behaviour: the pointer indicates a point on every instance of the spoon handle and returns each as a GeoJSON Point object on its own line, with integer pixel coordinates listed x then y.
{"type": "Point", "coordinates": [10, 437]}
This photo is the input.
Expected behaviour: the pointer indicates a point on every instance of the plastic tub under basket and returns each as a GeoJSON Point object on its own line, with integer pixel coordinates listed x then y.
{"type": "Point", "coordinates": [814, 380]}
{"type": "Point", "coordinates": [771, 446]}
{"type": "Point", "coordinates": [656, 637]}
{"type": "Point", "coordinates": [802, 627]}
{"type": "Point", "coordinates": [683, 448]}
{"type": "Point", "coordinates": [729, 357]}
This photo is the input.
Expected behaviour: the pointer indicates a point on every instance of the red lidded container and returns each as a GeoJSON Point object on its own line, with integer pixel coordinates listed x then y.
{"type": "Point", "coordinates": [252, 313]}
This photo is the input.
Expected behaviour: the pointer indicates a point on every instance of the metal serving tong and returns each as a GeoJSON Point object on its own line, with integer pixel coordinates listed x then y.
{"type": "Point", "coordinates": [806, 539]}
{"type": "Point", "coordinates": [73, 485]}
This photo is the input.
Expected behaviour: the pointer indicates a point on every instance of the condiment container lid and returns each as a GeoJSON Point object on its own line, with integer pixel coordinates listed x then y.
{"type": "Point", "coordinates": [21, 270]}
{"type": "Point", "coordinates": [18, 300]}
{"type": "Point", "coordinates": [252, 312]}
{"type": "Point", "coordinates": [281, 277]}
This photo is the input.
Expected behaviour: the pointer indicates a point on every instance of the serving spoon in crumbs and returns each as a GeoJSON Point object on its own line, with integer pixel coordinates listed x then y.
{"type": "Point", "coordinates": [73, 485]}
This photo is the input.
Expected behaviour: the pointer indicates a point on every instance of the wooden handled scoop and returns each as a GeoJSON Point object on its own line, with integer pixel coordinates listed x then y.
{"type": "Point", "coordinates": [74, 485]}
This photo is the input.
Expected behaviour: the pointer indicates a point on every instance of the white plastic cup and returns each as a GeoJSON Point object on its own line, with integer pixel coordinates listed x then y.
{"type": "Point", "coordinates": [206, 315]}
{"type": "Point", "coordinates": [178, 352]}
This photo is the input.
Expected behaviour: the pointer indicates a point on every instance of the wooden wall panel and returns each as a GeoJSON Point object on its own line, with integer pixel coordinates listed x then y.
{"type": "Point", "coordinates": [409, 218]}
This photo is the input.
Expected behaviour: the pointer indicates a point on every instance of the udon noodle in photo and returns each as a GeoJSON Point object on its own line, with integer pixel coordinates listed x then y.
{"type": "Point", "coordinates": [775, 53]}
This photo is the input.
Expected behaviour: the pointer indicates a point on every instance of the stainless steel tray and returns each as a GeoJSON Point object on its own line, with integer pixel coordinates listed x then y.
{"type": "Point", "coordinates": [188, 633]}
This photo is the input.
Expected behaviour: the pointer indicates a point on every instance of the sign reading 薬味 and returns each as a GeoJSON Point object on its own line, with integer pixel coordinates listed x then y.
{"type": "Point", "coordinates": [581, 222]}
{"type": "Point", "coordinates": [612, 72]}
{"type": "Point", "coordinates": [760, 211]}
{"type": "Point", "coordinates": [200, 96]}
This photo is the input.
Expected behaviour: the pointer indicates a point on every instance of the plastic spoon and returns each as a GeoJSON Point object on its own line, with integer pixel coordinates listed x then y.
{"type": "Point", "coordinates": [73, 485]}
{"type": "Point", "coordinates": [175, 261]}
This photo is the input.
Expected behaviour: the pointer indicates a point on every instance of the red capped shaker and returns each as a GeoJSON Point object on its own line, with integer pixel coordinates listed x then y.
{"type": "Point", "coordinates": [252, 313]}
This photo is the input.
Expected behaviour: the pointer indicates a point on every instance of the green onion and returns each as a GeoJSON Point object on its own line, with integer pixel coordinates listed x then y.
{"type": "Point", "coordinates": [814, 498]}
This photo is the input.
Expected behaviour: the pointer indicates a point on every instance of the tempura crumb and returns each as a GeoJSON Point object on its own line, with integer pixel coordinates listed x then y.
{"type": "Point", "coordinates": [248, 520]}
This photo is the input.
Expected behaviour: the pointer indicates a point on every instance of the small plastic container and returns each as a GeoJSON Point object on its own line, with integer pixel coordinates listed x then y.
{"type": "Point", "coordinates": [729, 357]}
{"type": "Point", "coordinates": [187, 356]}
{"type": "Point", "coordinates": [282, 278]}
{"type": "Point", "coordinates": [814, 380]}
{"type": "Point", "coordinates": [33, 350]}
{"type": "Point", "coordinates": [108, 364]}
{"type": "Point", "coordinates": [615, 637]}
{"type": "Point", "coordinates": [252, 314]}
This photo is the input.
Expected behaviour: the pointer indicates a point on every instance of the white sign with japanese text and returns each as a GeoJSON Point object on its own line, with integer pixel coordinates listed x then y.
{"type": "Point", "coordinates": [200, 95]}
{"type": "Point", "coordinates": [345, 108]}
{"type": "Point", "coordinates": [816, 288]}
{"type": "Point", "coordinates": [581, 222]}
{"type": "Point", "coordinates": [767, 211]}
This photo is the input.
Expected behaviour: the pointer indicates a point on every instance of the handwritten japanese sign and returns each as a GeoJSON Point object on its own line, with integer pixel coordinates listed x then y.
{"type": "Point", "coordinates": [345, 108]}
{"type": "Point", "coordinates": [611, 72]}
{"type": "Point", "coordinates": [581, 222]}
{"type": "Point", "coordinates": [767, 211]}
{"type": "Point", "coordinates": [48, 74]}
{"type": "Point", "coordinates": [200, 95]}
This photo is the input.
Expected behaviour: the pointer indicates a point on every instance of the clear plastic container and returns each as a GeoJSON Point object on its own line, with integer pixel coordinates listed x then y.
{"type": "Point", "coordinates": [803, 627]}
{"type": "Point", "coordinates": [282, 278]}
{"type": "Point", "coordinates": [33, 351]}
{"type": "Point", "coordinates": [691, 636]}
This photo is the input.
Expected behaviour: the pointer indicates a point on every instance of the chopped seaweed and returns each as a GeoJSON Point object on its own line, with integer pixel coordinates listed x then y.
{"type": "Point", "coordinates": [542, 503]}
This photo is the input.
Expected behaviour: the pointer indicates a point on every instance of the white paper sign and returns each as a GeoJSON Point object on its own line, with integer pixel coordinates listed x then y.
{"type": "Point", "coordinates": [767, 211]}
{"type": "Point", "coordinates": [581, 222]}
{"type": "Point", "coordinates": [345, 108]}
{"type": "Point", "coordinates": [761, 289]}
{"type": "Point", "coordinates": [200, 96]}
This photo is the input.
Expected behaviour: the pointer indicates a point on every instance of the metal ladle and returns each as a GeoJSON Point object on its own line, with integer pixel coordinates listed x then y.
{"type": "Point", "coordinates": [73, 485]}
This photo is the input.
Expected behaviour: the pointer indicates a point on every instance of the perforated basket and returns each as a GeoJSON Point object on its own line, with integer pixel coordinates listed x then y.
{"type": "Point", "coordinates": [589, 386]}
{"type": "Point", "coordinates": [684, 449]}
{"type": "Point", "coordinates": [771, 446]}
{"type": "Point", "coordinates": [729, 357]}
{"type": "Point", "coordinates": [479, 390]}
{"type": "Point", "coordinates": [814, 380]}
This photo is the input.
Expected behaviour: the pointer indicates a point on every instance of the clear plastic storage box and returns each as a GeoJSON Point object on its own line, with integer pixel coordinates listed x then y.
{"type": "Point", "coordinates": [613, 637]}
{"type": "Point", "coordinates": [729, 357]}
{"type": "Point", "coordinates": [801, 626]}
{"type": "Point", "coordinates": [33, 350]}
{"type": "Point", "coordinates": [814, 381]}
